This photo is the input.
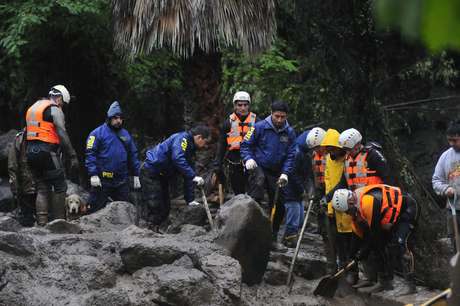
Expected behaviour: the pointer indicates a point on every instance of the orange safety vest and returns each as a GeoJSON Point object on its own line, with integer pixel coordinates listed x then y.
{"type": "Point", "coordinates": [37, 128]}
{"type": "Point", "coordinates": [357, 174]}
{"type": "Point", "coordinates": [238, 130]}
{"type": "Point", "coordinates": [389, 211]}
{"type": "Point", "coordinates": [319, 166]}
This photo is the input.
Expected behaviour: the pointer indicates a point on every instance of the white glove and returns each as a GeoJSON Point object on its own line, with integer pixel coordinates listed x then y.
{"type": "Point", "coordinates": [198, 180]}
{"type": "Point", "coordinates": [250, 164]}
{"type": "Point", "coordinates": [283, 180]}
{"type": "Point", "coordinates": [136, 182]}
{"type": "Point", "coordinates": [95, 181]}
{"type": "Point", "coordinates": [193, 203]}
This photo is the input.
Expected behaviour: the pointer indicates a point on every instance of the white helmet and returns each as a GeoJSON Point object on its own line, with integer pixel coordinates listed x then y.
{"type": "Point", "coordinates": [315, 137]}
{"type": "Point", "coordinates": [340, 199]}
{"type": "Point", "coordinates": [350, 138]}
{"type": "Point", "coordinates": [60, 90]}
{"type": "Point", "coordinates": [241, 96]}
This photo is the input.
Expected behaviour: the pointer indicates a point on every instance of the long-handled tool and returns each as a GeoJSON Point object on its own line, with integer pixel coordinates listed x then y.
{"type": "Point", "coordinates": [454, 221]}
{"type": "Point", "coordinates": [275, 199]}
{"type": "Point", "coordinates": [328, 284]}
{"type": "Point", "coordinates": [299, 240]}
{"type": "Point", "coordinates": [137, 204]}
{"type": "Point", "coordinates": [221, 194]}
{"type": "Point", "coordinates": [206, 207]}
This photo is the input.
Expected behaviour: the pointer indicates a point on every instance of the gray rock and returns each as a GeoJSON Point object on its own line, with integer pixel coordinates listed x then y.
{"type": "Point", "coordinates": [185, 262]}
{"type": "Point", "coordinates": [180, 286]}
{"type": "Point", "coordinates": [194, 215]}
{"type": "Point", "coordinates": [139, 253]}
{"type": "Point", "coordinates": [223, 271]}
{"type": "Point", "coordinates": [192, 230]}
{"type": "Point", "coordinates": [276, 274]}
{"type": "Point", "coordinates": [61, 226]}
{"type": "Point", "coordinates": [16, 244]}
{"type": "Point", "coordinates": [246, 234]}
{"type": "Point", "coordinates": [7, 203]}
{"type": "Point", "coordinates": [116, 216]}
{"type": "Point", "coordinates": [9, 224]}
{"type": "Point", "coordinates": [118, 297]}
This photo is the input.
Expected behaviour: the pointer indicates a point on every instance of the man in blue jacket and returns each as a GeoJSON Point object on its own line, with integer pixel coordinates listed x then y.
{"type": "Point", "coordinates": [268, 151]}
{"type": "Point", "coordinates": [111, 156]}
{"type": "Point", "coordinates": [299, 182]}
{"type": "Point", "coordinates": [162, 163]}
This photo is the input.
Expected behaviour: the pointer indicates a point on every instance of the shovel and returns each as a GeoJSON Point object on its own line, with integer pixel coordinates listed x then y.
{"type": "Point", "coordinates": [454, 221]}
{"type": "Point", "coordinates": [328, 284]}
{"type": "Point", "coordinates": [206, 206]}
{"type": "Point", "coordinates": [299, 240]}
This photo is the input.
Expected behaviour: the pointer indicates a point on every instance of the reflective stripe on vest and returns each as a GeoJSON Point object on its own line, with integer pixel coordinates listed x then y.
{"type": "Point", "coordinates": [390, 209]}
{"type": "Point", "coordinates": [319, 166]}
{"type": "Point", "coordinates": [357, 174]}
{"type": "Point", "coordinates": [238, 130]}
{"type": "Point", "coordinates": [37, 128]}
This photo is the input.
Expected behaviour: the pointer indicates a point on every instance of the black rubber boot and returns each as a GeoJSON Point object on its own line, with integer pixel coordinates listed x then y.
{"type": "Point", "coordinates": [380, 286]}
{"type": "Point", "coordinates": [276, 246]}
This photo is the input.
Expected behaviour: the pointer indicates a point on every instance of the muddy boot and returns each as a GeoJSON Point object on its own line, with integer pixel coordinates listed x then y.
{"type": "Point", "coordinates": [380, 286]}
{"type": "Point", "coordinates": [58, 206]}
{"type": "Point", "coordinates": [290, 241]}
{"type": "Point", "coordinates": [276, 246]}
{"type": "Point", "coordinates": [41, 208]}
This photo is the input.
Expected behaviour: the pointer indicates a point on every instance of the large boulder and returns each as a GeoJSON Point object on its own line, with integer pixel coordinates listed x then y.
{"type": "Point", "coordinates": [116, 216]}
{"type": "Point", "coordinates": [246, 234]}
{"type": "Point", "coordinates": [193, 215]}
{"type": "Point", "coordinates": [177, 285]}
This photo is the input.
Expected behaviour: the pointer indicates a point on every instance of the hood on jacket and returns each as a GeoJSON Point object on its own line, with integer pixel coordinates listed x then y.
{"type": "Point", "coordinates": [114, 110]}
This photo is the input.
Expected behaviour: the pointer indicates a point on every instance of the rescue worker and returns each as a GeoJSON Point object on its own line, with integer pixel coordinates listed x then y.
{"type": "Point", "coordinates": [318, 158]}
{"type": "Point", "coordinates": [21, 181]}
{"type": "Point", "coordinates": [364, 165]}
{"type": "Point", "coordinates": [446, 176]}
{"type": "Point", "coordinates": [383, 220]}
{"type": "Point", "coordinates": [46, 136]}
{"type": "Point", "coordinates": [111, 157]}
{"type": "Point", "coordinates": [231, 135]}
{"type": "Point", "coordinates": [339, 235]}
{"type": "Point", "coordinates": [295, 189]}
{"type": "Point", "coordinates": [268, 151]}
{"type": "Point", "coordinates": [163, 162]}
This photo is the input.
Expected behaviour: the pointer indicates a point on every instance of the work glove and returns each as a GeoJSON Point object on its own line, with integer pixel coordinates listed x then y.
{"type": "Point", "coordinates": [198, 180]}
{"type": "Point", "coordinates": [95, 181]}
{"type": "Point", "coordinates": [193, 203]}
{"type": "Point", "coordinates": [136, 182]}
{"type": "Point", "coordinates": [250, 164]}
{"type": "Point", "coordinates": [283, 180]}
{"type": "Point", "coordinates": [449, 192]}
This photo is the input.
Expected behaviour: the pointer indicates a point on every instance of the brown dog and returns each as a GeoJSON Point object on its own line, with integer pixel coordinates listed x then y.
{"type": "Point", "coordinates": [74, 207]}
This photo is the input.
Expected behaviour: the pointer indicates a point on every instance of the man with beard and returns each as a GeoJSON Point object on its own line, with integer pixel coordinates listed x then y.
{"type": "Point", "coordinates": [111, 156]}
{"type": "Point", "coordinates": [446, 176]}
{"type": "Point", "coordinates": [268, 151]}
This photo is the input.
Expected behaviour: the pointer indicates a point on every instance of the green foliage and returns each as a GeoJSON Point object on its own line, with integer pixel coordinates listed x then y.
{"type": "Point", "coordinates": [269, 76]}
{"type": "Point", "coordinates": [20, 17]}
{"type": "Point", "coordinates": [435, 22]}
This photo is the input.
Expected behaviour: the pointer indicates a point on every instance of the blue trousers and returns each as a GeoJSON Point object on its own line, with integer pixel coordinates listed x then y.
{"type": "Point", "coordinates": [294, 217]}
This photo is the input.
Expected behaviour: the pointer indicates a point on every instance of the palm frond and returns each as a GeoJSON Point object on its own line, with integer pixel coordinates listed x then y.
{"type": "Point", "coordinates": [183, 25]}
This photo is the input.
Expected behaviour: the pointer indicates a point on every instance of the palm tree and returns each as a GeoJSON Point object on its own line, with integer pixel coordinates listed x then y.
{"type": "Point", "coordinates": [196, 30]}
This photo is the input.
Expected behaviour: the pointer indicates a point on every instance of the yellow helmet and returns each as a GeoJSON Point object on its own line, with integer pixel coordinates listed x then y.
{"type": "Point", "coordinates": [331, 139]}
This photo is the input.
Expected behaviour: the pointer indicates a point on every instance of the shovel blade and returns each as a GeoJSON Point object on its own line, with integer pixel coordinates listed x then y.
{"type": "Point", "coordinates": [327, 287]}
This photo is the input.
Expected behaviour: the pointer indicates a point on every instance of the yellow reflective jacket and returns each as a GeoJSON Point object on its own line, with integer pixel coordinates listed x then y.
{"type": "Point", "coordinates": [332, 176]}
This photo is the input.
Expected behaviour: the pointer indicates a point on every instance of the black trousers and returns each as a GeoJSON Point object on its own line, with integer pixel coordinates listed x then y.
{"type": "Point", "coordinates": [238, 177]}
{"type": "Point", "coordinates": [261, 180]}
{"type": "Point", "coordinates": [155, 196]}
